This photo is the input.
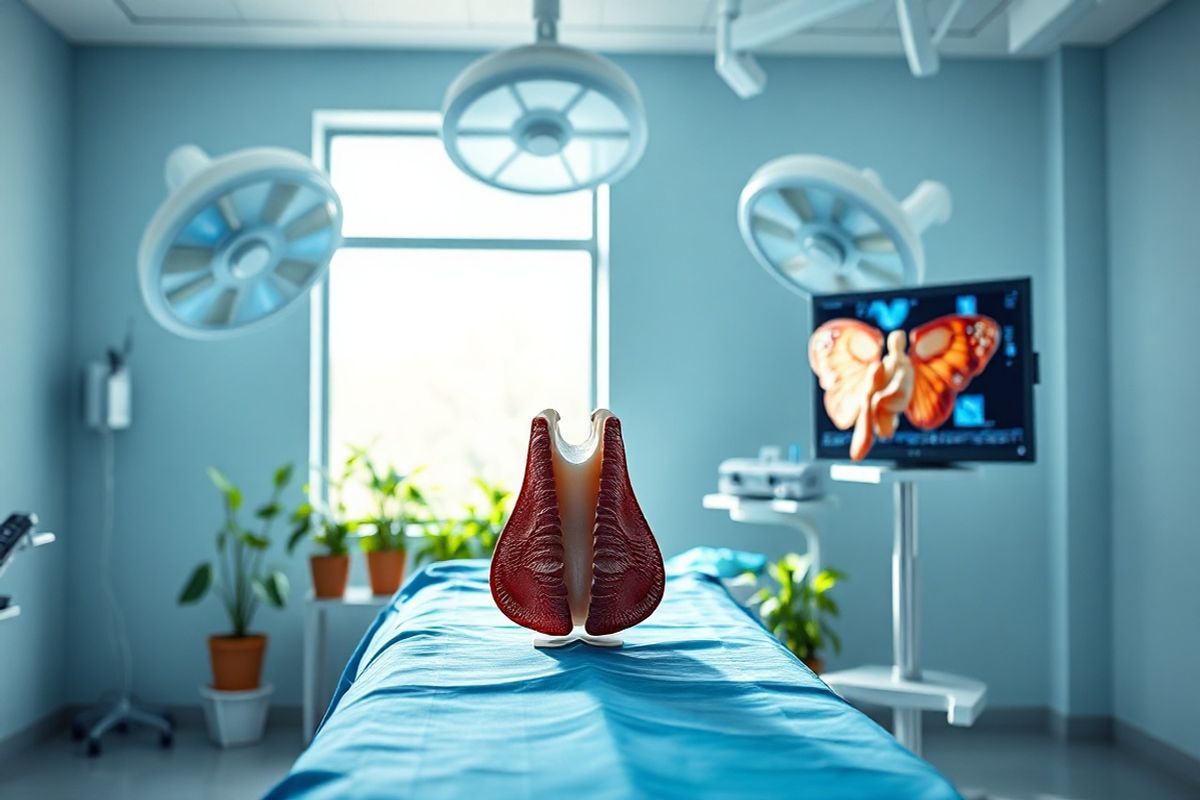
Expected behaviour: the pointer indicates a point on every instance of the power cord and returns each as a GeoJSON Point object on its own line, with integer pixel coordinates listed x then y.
{"type": "Point", "coordinates": [116, 619]}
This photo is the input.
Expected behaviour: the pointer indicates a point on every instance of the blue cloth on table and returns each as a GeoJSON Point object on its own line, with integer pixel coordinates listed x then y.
{"type": "Point", "coordinates": [446, 698]}
{"type": "Point", "coordinates": [720, 562]}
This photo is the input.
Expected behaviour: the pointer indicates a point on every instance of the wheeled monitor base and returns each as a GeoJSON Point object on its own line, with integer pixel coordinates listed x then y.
{"type": "Point", "coordinates": [903, 686]}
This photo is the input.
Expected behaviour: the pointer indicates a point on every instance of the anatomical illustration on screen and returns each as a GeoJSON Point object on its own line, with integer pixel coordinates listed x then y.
{"type": "Point", "coordinates": [920, 375]}
{"type": "Point", "coordinates": [577, 559]}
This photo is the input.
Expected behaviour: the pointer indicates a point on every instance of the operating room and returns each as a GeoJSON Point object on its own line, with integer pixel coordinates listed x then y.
{"type": "Point", "coordinates": [873, 317]}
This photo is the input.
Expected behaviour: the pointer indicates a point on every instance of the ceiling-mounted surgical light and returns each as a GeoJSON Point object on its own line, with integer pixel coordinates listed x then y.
{"type": "Point", "coordinates": [239, 239]}
{"type": "Point", "coordinates": [820, 226]}
{"type": "Point", "coordinates": [544, 118]}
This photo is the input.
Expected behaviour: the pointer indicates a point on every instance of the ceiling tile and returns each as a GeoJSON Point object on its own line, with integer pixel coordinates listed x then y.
{"type": "Point", "coordinates": [289, 10]}
{"type": "Point", "coordinates": [970, 17]}
{"type": "Point", "coordinates": [510, 13]}
{"type": "Point", "coordinates": [655, 26]}
{"type": "Point", "coordinates": [582, 12]}
{"type": "Point", "coordinates": [969, 20]}
{"type": "Point", "coordinates": [501, 12]}
{"type": "Point", "coordinates": [687, 14]}
{"type": "Point", "coordinates": [144, 10]}
{"type": "Point", "coordinates": [406, 12]}
{"type": "Point", "coordinates": [864, 19]}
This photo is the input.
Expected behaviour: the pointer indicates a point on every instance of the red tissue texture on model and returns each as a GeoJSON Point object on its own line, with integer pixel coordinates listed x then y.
{"type": "Point", "coordinates": [577, 550]}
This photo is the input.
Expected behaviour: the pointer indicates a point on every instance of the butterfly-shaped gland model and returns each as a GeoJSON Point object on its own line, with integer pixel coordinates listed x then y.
{"type": "Point", "coordinates": [920, 376]}
{"type": "Point", "coordinates": [577, 550]}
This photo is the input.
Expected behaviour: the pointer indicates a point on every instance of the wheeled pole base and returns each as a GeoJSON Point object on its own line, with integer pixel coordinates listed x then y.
{"type": "Point", "coordinates": [120, 715]}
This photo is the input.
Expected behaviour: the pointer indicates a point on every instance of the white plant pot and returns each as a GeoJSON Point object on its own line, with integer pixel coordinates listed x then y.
{"type": "Point", "coordinates": [236, 718]}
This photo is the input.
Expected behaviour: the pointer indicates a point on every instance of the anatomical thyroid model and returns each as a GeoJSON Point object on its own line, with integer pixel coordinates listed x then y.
{"type": "Point", "coordinates": [920, 376]}
{"type": "Point", "coordinates": [577, 551]}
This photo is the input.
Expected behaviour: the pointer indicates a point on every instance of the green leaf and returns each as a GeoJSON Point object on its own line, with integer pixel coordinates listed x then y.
{"type": "Point", "coordinates": [827, 604]}
{"type": "Point", "coordinates": [273, 588]}
{"type": "Point", "coordinates": [824, 581]}
{"type": "Point", "coordinates": [302, 512]}
{"type": "Point", "coordinates": [220, 481]}
{"type": "Point", "coordinates": [283, 476]}
{"type": "Point", "coordinates": [298, 534]}
{"type": "Point", "coordinates": [254, 541]}
{"type": "Point", "coordinates": [799, 565]}
{"type": "Point", "coordinates": [197, 585]}
{"type": "Point", "coordinates": [268, 511]}
{"type": "Point", "coordinates": [234, 498]}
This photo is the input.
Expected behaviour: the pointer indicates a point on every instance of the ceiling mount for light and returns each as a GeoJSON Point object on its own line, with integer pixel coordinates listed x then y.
{"type": "Point", "coordinates": [237, 241]}
{"type": "Point", "coordinates": [544, 118]}
{"type": "Point", "coordinates": [820, 226]}
{"type": "Point", "coordinates": [739, 34]}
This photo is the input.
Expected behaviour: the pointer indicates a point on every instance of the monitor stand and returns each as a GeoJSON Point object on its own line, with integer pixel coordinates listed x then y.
{"type": "Point", "coordinates": [904, 686]}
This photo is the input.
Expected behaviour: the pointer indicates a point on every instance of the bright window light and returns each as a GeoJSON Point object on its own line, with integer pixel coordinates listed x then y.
{"type": "Point", "coordinates": [445, 339]}
{"type": "Point", "coordinates": [406, 186]}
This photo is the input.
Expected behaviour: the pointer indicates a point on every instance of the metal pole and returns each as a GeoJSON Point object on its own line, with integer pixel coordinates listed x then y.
{"type": "Point", "coordinates": [905, 634]}
{"type": "Point", "coordinates": [545, 14]}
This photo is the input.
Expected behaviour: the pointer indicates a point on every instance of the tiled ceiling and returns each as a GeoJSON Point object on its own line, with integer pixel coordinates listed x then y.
{"type": "Point", "coordinates": [979, 28]}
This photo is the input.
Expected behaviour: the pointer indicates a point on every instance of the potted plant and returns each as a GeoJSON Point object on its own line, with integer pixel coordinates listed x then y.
{"type": "Point", "coordinates": [799, 610]}
{"type": "Point", "coordinates": [242, 582]}
{"type": "Point", "coordinates": [330, 530]}
{"type": "Point", "coordinates": [398, 504]}
{"type": "Point", "coordinates": [473, 535]}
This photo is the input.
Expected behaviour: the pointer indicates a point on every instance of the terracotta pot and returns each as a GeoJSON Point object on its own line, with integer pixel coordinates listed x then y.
{"type": "Point", "coordinates": [817, 665]}
{"type": "Point", "coordinates": [236, 661]}
{"type": "Point", "coordinates": [386, 570]}
{"type": "Point", "coordinates": [329, 575]}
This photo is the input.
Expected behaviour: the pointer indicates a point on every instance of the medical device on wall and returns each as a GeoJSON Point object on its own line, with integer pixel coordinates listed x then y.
{"type": "Point", "coordinates": [820, 226]}
{"type": "Point", "coordinates": [107, 409]}
{"type": "Point", "coordinates": [739, 34]}
{"type": "Point", "coordinates": [544, 118]}
{"type": "Point", "coordinates": [238, 240]}
{"type": "Point", "coordinates": [770, 476]}
{"type": "Point", "coordinates": [108, 390]}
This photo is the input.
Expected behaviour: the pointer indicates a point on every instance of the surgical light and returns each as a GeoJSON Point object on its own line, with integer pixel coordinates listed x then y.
{"type": "Point", "coordinates": [239, 239]}
{"type": "Point", "coordinates": [544, 118]}
{"type": "Point", "coordinates": [821, 226]}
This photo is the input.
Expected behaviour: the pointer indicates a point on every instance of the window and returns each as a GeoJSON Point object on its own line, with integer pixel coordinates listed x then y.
{"type": "Point", "coordinates": [453, 313]}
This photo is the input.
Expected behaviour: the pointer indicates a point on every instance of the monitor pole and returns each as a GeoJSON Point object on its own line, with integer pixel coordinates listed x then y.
{"type": "Point", "coordinates": [904, 686]}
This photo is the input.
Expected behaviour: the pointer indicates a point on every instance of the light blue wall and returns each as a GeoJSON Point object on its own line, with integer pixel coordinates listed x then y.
{"type": "Point", "coordinates": [35, 119]}
{"type": "Point", "coordinates": [1076, 381]}
{"type": "Point", "coordinates": [1154, 182]}
{"type": "Point", "coordinates": [707, 351]}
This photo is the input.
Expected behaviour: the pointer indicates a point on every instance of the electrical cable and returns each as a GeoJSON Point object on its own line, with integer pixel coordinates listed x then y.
{"type": "Point", "coordinates": [116, 620]}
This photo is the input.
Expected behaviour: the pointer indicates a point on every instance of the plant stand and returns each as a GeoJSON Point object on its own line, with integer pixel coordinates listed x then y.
{"type": "Point", "coordinates": [315, 640]}
{"type": "Point", "coordinates": [236, 718]}
{"type": "Point", "coordinates": [904, 686]}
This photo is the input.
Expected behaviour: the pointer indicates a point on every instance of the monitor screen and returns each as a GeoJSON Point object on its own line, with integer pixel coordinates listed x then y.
{"type": "Point", "coordinates": [930, 375]}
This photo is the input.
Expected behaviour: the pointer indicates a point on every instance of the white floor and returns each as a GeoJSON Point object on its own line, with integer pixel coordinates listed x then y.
{"type": "Point", "coordinates": [1006, 766]}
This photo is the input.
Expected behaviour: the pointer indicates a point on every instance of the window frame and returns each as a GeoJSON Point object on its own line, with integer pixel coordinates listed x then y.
{"type": "Point", "coordinates": [329, 124]}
